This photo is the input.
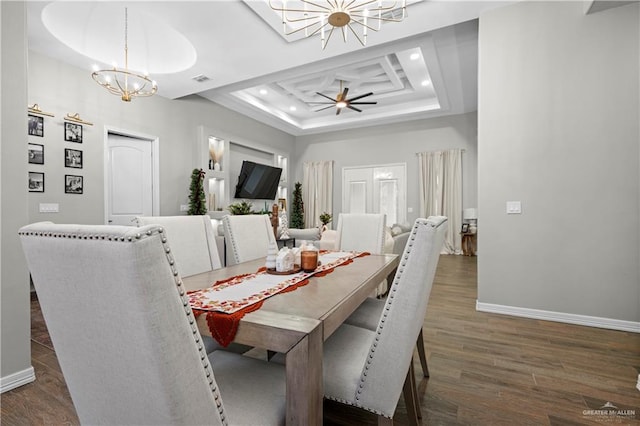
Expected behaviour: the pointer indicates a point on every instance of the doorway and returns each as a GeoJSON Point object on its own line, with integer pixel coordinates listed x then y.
{"type": "Point", "coordinates": [376, 189]}
{"type": "Point", "coordinates": [131, 177]}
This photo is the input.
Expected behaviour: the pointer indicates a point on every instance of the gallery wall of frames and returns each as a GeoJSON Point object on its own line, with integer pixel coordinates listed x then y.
{"type": "Point", "coordinates": [63, 145]}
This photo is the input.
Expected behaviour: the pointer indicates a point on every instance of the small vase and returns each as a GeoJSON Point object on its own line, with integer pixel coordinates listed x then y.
{"type": "Point", "coordinates": [216, 167]}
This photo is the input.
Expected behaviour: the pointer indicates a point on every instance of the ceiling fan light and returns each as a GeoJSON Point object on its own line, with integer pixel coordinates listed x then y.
{"type": "Point", "coordinates": [341, 104]}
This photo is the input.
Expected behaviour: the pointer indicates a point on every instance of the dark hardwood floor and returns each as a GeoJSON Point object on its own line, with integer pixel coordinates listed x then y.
{"type": "Point", "coordinates": [486, 369]}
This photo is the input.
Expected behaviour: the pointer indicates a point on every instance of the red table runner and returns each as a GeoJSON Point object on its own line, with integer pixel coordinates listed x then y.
{"type": "Point", "coordinates": [223, 317]}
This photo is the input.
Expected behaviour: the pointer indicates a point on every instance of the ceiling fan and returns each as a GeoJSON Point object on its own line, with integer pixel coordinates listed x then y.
{"type": "Point", "coordinates": [341, 101]}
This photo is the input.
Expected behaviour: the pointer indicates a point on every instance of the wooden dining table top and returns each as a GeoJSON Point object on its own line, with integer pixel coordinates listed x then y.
{"type": "Point", "coordinates": [330, 298]}
{"type": "Point", "coordinates": [297, 322]}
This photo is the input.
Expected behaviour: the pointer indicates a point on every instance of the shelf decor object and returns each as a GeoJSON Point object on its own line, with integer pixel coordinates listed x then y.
{"type": "Point", "coordinates": [216, 151]}
{"type": "Point", "coordinates": [123, 82]}
{"type": "Point", "coordinates": [324, 16]}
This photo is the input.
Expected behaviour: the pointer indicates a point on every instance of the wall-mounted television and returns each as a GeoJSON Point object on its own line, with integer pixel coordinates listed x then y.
{"type": "Point", "coordinates": [258, 181]}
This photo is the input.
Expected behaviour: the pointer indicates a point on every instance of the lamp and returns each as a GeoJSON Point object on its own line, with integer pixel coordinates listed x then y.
{"type": "Point", "coordinates": [320, 16]}
{"type": "Point", "coordinates": [125, 83]}
{"type": "Point", "coordinates": [470, 215]}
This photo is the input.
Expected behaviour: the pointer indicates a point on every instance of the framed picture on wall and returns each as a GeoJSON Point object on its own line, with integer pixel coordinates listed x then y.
{"type": "Point", "coordinates": [72, 132]}
{"type": "Point", "coordinates": [36, 153]}
{"type": "Point", "coordinates": [36, 125]}
{"type": "Point", "coordinates": [73, 158]}
{"type": "Point", "coordinates": [36, 182]}
{"type": "Point", "coordinates": [73, 184]}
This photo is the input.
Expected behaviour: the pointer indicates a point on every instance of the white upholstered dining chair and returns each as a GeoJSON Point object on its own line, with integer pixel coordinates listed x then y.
{"type": "Point", "coordinates": [125, 336]}
{"type": "Point", "coordinates": [361, 232]}
{"type": "Point", "coordinates": [192, 240]}
{"type": "Point", "coordinates": [369, 368]}
{"type": "Point", "coordinates": [247, 237]}
{"type": "Point", "coordinates": [194, 250]}
{"type": "Point", "coordinates": [367, 316]}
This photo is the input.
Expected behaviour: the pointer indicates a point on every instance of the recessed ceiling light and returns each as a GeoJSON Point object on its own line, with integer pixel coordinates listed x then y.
{"type": "Point", "coordinates": [292, 108]}
{"type": "Point", "coordinates": [414, 56]}
{"type": "Point", "coordinates": [263, 91]}
{"type": "Point", "coordinates": [425, 83]}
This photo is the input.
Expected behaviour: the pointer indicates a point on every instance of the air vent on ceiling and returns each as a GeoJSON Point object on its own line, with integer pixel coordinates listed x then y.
{"type": "Point", "coordinates": [201, 78]}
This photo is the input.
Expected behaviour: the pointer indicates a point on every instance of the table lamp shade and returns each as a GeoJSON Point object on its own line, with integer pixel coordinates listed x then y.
{"type": "Point", "coordinates": [470, 214]}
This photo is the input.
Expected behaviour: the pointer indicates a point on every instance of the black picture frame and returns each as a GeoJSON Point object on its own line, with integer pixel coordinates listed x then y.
{"type": "Point", "coordinates": [36, 125]}
{"type": "Point", "coordinates": [465, 228]}
{"type": "Point", "coordinates": [72, 132]}
{"type": "Point", "coordinates": [73, 158]}
{"type": "Point", "coordinates": [73, 184]}
{"type": "Point", "coordinates": [35, 153]}
{"type": "Point", "coordinates": [36, 182]}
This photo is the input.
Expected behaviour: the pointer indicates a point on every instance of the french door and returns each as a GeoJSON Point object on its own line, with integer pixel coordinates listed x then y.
{"type": "Point", "coordinates": [376, 189]}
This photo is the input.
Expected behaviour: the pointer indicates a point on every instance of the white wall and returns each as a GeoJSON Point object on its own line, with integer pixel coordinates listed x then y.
{"type": "Point", "coordinates": [175, 122]}
{"type": "Point", "coordinates": [558, 130]}
{"type": "Point", "coordinates": [15, 355]}
{"type": "Point", "coordinates": [396, 143]}
{"type": "Point", "coordinates": [61, 89]}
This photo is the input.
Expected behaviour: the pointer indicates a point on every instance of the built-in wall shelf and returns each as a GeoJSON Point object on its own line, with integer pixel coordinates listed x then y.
{"type": "Point", "coordinates": [221, 156]}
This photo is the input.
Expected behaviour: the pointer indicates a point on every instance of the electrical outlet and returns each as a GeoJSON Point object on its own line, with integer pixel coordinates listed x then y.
{"type": "Point", "coordinates": [184, 207]}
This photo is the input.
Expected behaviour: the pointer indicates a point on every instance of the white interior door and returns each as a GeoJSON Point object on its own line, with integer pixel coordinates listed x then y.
{"type": "Point", "coordinates": [376, 189]}
{"type": "Point", "coordinates": [129, 179]}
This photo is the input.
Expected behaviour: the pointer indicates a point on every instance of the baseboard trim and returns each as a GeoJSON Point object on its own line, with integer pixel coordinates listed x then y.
{"type": "Point", "coordinates": [18, 379]}
{"type": "Point", "coordinates": [589, 321]}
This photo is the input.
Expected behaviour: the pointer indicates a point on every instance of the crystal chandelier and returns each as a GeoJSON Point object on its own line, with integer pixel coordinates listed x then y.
{"type": "Point", "coordinates": [324, 16]}
{"type": "Point", "coordinates": [125, 83]}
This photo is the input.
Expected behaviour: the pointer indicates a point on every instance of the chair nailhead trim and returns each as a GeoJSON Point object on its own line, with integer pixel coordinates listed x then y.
{"type": "Point", "coordinates": [177, 280]}
{"type": "Point", "coordinates": [386, 312]}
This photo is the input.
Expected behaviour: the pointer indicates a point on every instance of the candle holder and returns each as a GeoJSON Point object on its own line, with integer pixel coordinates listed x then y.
{"type": "Point", "coordinates": [308, 259]}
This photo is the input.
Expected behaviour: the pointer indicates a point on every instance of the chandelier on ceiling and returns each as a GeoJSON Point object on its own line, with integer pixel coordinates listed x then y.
{"type": "Point", "coordinates": [122, 82]}
{"type": "Point", "coordinates": [324, 16]}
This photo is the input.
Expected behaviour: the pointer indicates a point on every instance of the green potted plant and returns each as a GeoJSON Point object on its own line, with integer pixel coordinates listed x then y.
{"type": "Point", "coordinates": [325, 218]}
{"type": "Point", "coordinates": [297, 210]}
{"type": "Point", "coordinates": [240, 208]}
{"type": "Point", "coordinates": [197, 199]}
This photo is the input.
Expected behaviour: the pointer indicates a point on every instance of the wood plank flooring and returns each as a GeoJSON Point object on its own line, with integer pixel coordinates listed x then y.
{"type": "Point", "coordinates": [486, 369]}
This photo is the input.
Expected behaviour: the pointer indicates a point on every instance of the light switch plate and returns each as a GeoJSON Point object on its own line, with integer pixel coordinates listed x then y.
{"type": "Point", "coordinates": [184, 207]}
{"type": "Point", "coordinates": [49, 208]}
{"type": "Point", "coordinates": [514, 207]}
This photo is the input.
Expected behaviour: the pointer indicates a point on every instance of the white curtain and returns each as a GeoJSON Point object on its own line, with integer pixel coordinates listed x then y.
{"type": "Point", "coordinates": [441, 192]}
{"type": "Point", "coordinates": [317, 191]}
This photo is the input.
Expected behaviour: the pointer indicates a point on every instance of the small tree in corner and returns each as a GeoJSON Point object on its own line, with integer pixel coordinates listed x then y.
{"type": "Point", "coordinates": [197, 199]}
{"type": "Point", "coordinates": [297, 211]}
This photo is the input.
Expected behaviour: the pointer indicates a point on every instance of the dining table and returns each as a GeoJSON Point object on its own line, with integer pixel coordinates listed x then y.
{"type": "Point", "coordinates": [296, 323]}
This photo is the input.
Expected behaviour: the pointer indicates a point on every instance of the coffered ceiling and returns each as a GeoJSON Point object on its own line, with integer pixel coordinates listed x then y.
{"type": "Point", "coordinates": [235, 54]}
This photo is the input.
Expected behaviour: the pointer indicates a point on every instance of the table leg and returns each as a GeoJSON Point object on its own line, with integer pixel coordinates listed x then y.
{"type": "Point", "coordinates": [304, 381]}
